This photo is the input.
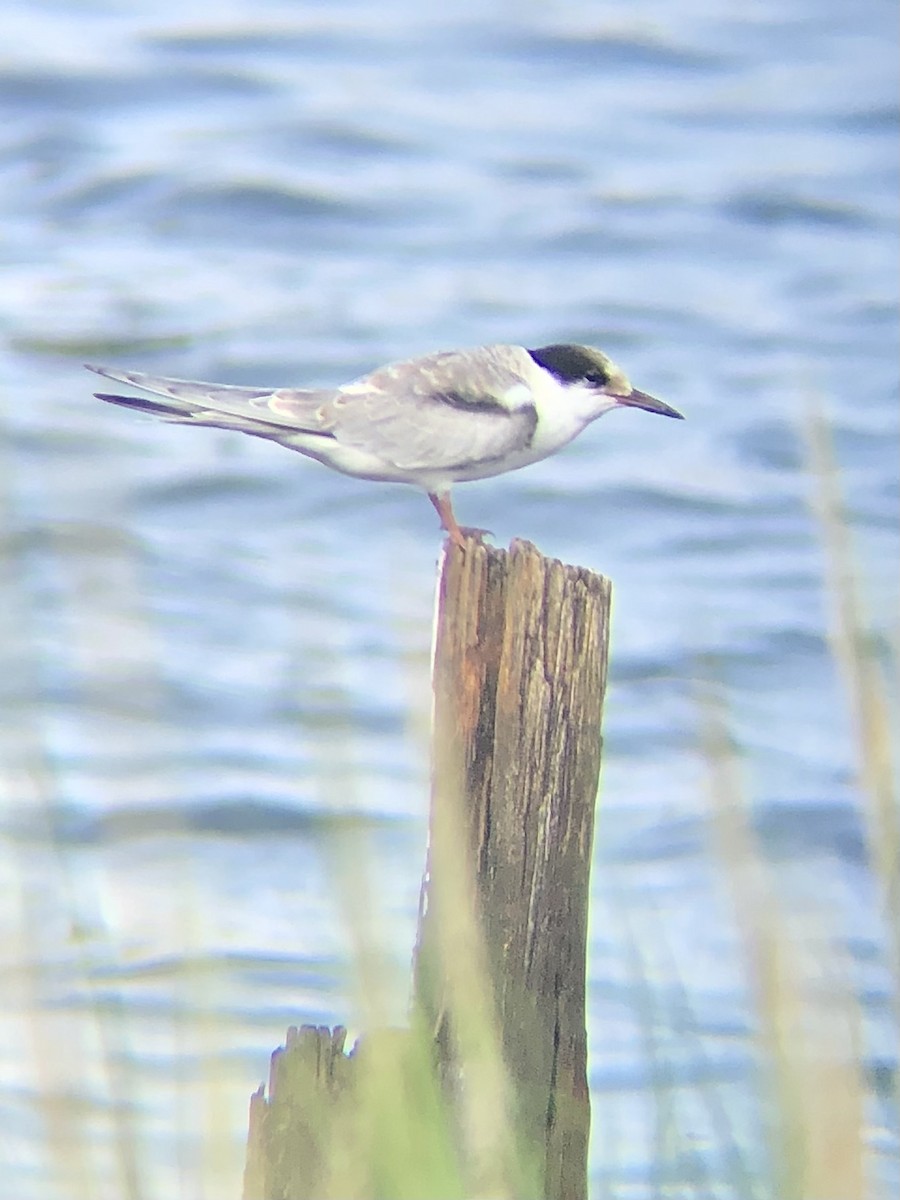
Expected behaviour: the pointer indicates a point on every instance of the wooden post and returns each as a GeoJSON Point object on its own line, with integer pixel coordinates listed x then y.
{"type": "Point", "coordinates": [291, 1131]}
{"type": "Point", "coordinates": [519, 676]}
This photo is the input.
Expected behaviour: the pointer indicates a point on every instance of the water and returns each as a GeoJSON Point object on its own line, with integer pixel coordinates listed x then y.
{"type": "Point", "coordinates": [216, 651]}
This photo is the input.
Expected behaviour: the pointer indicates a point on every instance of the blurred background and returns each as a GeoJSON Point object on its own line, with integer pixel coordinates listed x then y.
{"type": "Point", "coordinates": [214, 653]}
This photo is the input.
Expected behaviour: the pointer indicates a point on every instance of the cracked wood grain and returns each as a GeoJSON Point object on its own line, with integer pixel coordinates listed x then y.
{"type": "Point", "coordinates": [519, 675]}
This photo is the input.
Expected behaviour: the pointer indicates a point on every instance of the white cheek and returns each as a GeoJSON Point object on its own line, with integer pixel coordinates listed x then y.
{"type": "Point", "coordinates": [562, 416]}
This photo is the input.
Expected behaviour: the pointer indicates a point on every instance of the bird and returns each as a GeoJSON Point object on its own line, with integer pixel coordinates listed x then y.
{"type": "Point", "coordinates": [445, 418]}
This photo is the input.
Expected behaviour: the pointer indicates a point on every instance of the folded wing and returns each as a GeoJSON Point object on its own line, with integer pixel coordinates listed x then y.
{"type": "Point", "coordinates": [433, 413]}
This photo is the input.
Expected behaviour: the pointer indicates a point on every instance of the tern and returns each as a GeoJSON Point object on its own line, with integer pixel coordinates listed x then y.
{"type": "Point", "coordinates": [446, 418]}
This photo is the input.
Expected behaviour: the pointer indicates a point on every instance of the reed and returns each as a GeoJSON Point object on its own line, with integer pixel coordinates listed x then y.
{"type": "Point", "coordinates": [86, 1116]}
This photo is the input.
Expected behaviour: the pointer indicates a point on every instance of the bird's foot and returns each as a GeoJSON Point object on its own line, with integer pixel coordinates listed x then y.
{"type": "Point", "coordinates": [457, 534]}
{"type": "Point", "coordinates": [466, 533]}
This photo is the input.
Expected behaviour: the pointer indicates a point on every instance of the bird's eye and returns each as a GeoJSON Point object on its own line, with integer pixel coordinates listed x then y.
{"type": "Point", "coordinates": [597, 378]}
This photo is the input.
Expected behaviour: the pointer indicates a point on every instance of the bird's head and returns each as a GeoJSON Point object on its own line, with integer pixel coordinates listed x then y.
{"type": "Point", "coordinates": [590, 370]}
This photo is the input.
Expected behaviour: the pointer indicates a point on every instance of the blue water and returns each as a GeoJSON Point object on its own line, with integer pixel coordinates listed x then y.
{"type": "Point", "coordinates": [216, 652]}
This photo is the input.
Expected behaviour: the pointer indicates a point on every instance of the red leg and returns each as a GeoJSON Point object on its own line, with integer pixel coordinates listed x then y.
{"type": "Point", "coordinates": [444, 509]}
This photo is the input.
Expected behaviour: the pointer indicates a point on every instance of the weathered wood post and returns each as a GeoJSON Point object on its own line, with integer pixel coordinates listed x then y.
{"type": "Point", "coordinates": [519, 676]}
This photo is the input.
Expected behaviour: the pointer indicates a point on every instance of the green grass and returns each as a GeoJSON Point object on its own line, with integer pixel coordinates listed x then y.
{"type": "Point", "coordinates": [808, 1088]}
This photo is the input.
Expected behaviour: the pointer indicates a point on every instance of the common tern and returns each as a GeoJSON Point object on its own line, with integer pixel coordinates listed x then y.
{"type": "Point", "coordinates": [446, 418]}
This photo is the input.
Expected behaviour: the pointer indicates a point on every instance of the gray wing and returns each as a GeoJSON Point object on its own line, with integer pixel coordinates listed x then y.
{"type": "Point", "coordinates": [441, 411]}
{"type": "Point", "coordinates": [446, 410]}
{"type": "Point", "coordinates": [265, 412]}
